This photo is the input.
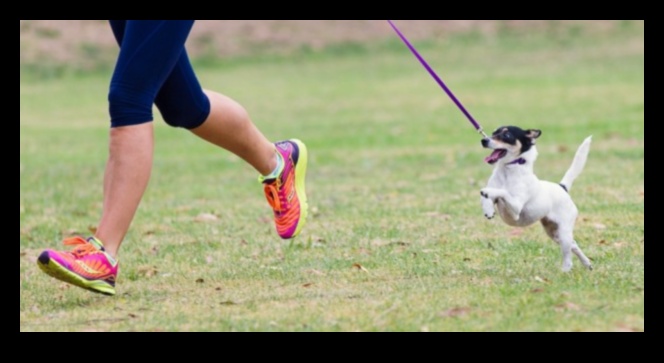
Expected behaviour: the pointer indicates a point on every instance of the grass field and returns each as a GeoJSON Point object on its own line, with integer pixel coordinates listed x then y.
{"type": "Point", "coordinates": [396, 239]}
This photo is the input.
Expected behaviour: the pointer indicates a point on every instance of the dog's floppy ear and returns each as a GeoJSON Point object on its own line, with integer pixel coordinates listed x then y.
{"type": "Point", "coordinates": [533, 133]}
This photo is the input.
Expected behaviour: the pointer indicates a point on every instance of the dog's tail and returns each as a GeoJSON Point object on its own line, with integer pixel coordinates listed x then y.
{"type": "Point", "coordinates": [577, 164]}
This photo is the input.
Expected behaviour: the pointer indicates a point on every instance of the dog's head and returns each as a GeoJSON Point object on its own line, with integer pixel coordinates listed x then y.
{"type": "Point", "coordinates": [509, 143]}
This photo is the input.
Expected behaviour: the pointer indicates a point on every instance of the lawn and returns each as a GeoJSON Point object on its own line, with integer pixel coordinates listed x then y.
{"type": "Point", "coordinates": [396, 239]}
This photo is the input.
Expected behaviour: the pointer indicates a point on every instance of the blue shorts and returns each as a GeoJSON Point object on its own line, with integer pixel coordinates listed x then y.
{"type": "Point", "coordinates": [153, 68]}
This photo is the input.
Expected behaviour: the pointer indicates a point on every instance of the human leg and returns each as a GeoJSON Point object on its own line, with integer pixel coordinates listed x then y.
{"type": "Point", "coordinates": [149, 50]}
{"type": "Point", "coordinates": [229, 126]}
{"type": "Point", "coordinates": [125, 180]}
{"type": "Point", "coordinates": [224, 122]}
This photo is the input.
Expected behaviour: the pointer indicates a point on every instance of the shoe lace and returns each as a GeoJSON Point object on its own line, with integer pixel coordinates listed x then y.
{"type": "Point", "coordinates": [277, 200]}
{"type": "Point", "coordinates": [82, 247]}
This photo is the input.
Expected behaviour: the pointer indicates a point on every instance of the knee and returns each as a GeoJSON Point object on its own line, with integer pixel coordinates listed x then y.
{"type": "Point", "coordinates": [188, 115]}
{"type": "Point", "coordinates": [129, 107]}
{"type": "Point", "coordinates": [188, 118]}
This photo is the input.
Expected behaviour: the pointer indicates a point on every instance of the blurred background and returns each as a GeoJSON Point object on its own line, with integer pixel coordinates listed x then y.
{"type": "Point", "coordinates": [50, 47]}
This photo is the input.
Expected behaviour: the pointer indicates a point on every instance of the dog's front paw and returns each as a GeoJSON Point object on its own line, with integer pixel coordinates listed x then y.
{"type": "Point", "coordinates": [487, 207]}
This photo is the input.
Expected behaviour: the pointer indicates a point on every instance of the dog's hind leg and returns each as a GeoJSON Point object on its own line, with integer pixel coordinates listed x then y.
{"type": "Point", "coordinates": [567, 244]}
{"type": "Point", "coordinates": [566, 249]}
{"type": "Point", "coordinates": [563, 238]}
{"type": "Point", "coordinates": [582, 257]}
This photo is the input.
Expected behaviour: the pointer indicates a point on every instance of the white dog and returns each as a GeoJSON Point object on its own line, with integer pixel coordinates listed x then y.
{"type": "Point", "coordinates": [522, 199]}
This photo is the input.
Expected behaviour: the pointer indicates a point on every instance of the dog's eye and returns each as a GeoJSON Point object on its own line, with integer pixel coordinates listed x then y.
{"type": "Point", "coordinates": [508, 136]}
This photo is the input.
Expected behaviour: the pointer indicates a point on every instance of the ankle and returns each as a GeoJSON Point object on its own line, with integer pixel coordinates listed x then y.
{"type": "Point", "coordinates": [110, 249]}
{"type": "Point", "coordinates": [277, 166]}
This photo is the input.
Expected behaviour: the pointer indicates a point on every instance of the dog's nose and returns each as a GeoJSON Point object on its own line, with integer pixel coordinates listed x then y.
{"type": "Point", "coordinates": [485, 142]}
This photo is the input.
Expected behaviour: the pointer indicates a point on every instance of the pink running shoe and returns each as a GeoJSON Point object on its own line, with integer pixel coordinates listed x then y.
{"type": "Point", "coordinates": [285, 193]}
{"type": "Point", "coordinates": [87, 265]}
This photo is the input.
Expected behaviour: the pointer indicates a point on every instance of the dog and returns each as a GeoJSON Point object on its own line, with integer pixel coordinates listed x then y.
{"type": "Point", "coordinates": [522, 199]}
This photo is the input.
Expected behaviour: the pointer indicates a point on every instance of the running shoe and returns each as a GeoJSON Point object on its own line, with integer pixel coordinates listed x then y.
{"type": "Point", "coordinates": [87, 265]}
{"type": "Point", "coordinates": [285, 193]}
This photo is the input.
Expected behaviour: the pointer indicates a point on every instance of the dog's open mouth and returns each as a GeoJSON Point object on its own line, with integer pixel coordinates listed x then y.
{"type": "Point", "coordinates": [496, 155]}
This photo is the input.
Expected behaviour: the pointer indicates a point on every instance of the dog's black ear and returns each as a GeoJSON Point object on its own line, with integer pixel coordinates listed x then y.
{"type": "Point", "coordinates": [533, 133]}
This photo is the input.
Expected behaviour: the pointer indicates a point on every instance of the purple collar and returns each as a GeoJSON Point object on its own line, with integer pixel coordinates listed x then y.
{"type": "Point", "coordinates": [519, 161]}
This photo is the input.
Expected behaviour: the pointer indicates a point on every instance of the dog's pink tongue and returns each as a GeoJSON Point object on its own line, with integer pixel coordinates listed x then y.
{"type": "Point", "coordinates": [495, 155]}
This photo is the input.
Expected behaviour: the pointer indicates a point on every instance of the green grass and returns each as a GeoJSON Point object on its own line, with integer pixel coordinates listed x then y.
{"type": "Point", "coordinates": [393, 183]}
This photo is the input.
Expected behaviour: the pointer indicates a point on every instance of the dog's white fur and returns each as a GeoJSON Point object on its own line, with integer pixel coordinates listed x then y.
{"type": "Point", "coordinates": [522, 199]}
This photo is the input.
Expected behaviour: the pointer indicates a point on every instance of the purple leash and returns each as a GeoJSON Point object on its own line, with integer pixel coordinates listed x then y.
{"type": "Point", "coordinates": [440, 81]}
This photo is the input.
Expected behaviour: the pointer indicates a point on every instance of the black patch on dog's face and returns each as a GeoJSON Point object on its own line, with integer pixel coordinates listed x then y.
{"type": "Point", "coordinates": [511, 134]}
